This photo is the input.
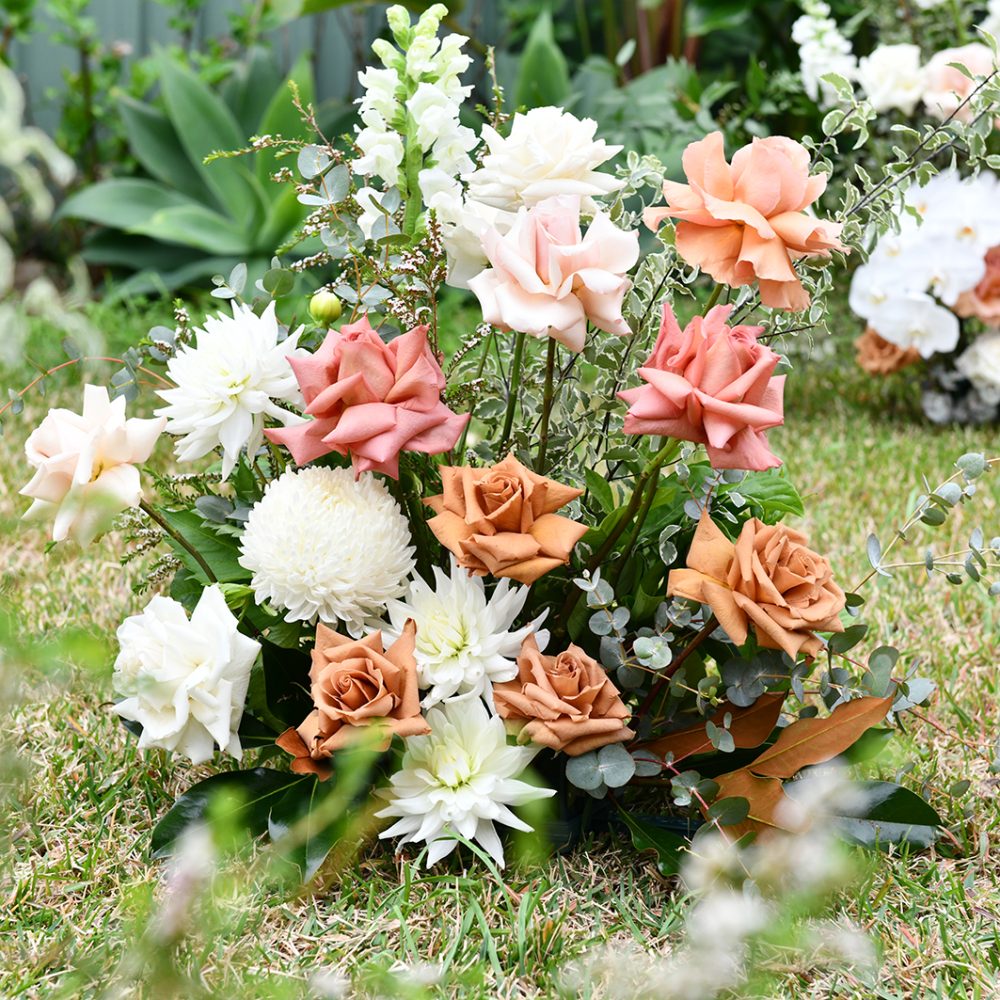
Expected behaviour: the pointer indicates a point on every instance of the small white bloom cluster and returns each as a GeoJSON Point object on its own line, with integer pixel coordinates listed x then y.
{"type": "Point", "coordinates": [185, 680]}
{"type": "Point", "coordinates": [941, 252]}
{"type": "Point", "coordinates": [822, 50]}
{"type": "Point", "coordinates": [416, 97]}
{"type": "Point", "coordinates": [228, 383]}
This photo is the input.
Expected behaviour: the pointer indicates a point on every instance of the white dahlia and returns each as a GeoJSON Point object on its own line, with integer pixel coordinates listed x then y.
{"type": "Point", "coordinates": [228, 383]}
{"type": "Point", "coordinates": [548, 152]}
{"type": "Point", "coordinates": [465, 644]}
{"type": "Point", "coordinates": [458, 781]}
{"type": "Point", "coordinates": [322, 545]}
{"type": "Point", "coordinates": [185, 679]}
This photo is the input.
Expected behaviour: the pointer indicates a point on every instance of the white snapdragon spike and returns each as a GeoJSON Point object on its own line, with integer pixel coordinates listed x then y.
{"type": "Point", "coordinates": [548, 152]}
{"type": "Point", "coordinates": [185, 680]}
{"type": "Point", "coordinates": [85, 465]}
{"type": "Point", "coordinates": [459, 780]}
{"type": "Point", "coordinates": [892, 77]}
{"type": "Point", "coordinates": [822, 50]}
{"type": "Point", "coordinates": [465, 641]}
{"type": "Point", "coordinates": [324, 546]}
{"type": "Point", "coordinates": [233, 377]}
{"type": "Point", "coordinates": [980, 364]}
{"type": "Point", "coordinates": [916, 320]}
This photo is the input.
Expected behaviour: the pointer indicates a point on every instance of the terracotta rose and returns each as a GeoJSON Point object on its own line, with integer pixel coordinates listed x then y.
{"type": "Point", "coordinates": [500, 520]}
{"type": "Point", "coordinates": [769, 579]}
{"type": "Point", "coordinates": [983, 301]}
{"type": "Point", "coordinates": [879, 356]}
{"type": "Point", "coordinates": [356, 683]}
{"type": "Point", "coordinates": [565, 702]}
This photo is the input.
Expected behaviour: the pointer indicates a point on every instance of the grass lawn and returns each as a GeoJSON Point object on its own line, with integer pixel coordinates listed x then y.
{"type": "Point", "coordinates": [76, 884]}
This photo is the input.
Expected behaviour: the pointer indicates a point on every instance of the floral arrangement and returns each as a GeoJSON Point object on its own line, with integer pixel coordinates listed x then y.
{"type": "Point", "coordinates": [931, 292]}
{"type": "Point", "coordinates": [432, 580]}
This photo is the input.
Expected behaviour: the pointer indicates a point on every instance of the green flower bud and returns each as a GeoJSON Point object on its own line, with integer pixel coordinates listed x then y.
{"type": "Point", "coordinates": [388, 56]}
{"type": "Point", "coordinates": [324, 307]}
{"type": "Point", "coordinates": [430, 20]}
{"type": "Point", "coordinates": [399, 24]}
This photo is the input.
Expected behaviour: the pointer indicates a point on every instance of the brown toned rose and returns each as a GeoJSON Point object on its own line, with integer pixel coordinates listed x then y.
{"type": "Point", "coordinates": [500, 520]}
{"type": "Point", "coordinates": [879, 356]}
{"type": "Point", "coordinates": [356, 683]}
{"type": "Point", "coordinates": [769, 580]}
{"type": "Point", "coordinates": [566, 702]}
{"type": "Point", "coordinates": [983, 301]}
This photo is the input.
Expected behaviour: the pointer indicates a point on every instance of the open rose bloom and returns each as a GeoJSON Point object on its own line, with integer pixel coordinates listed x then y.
{"type": "Point", "coordinates": [746, 222]}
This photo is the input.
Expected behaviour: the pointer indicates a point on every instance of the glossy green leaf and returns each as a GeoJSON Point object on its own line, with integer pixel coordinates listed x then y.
{"type": "Point", "coordinates": [543, 76]}
{"type": "Point", "coordinates": [195, 226]}
{"type": "Point", "coordinates": [667, 846]}
{"type": "Point", "coordinates": [122, 203]}
{"type": "Point", "coordinates": [221, 552]}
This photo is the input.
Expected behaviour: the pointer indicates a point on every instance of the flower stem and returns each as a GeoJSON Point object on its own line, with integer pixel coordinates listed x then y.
{"type": "Point", "coordinates": [154, 515]}
{"type": "Point", "coordinates": [707, 629]}
{"type": "Point", "coordinates": [460, 449]}
{"type": "Point", "coordinates": [547, 398]}
{"type": "Point", "coordinates": [714, 297]}
{"type": "Point", "coordinates": [513, 391]}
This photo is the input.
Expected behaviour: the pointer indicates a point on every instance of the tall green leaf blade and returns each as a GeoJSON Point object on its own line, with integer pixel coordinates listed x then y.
{"type": "Point", "coordinates": [248, 89]}
{"type": "Point", "coordinates": [281, 117]}
{"type": "Point", "coordinates": [122, 203]}
{"type": "Point", "coordinates": [154, 143]}
{"type": "Point", "coordinates": [205, 125]}
{"type": "Point", "coordinates": [195, 226]}
{"type": "Point", "coordinates": [543, 76]}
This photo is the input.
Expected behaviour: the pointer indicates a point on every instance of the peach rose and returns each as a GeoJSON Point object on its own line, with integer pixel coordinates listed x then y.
{"type": "Point", "coordinates": [879, 356]}
{"type": "Point", "coordinates": [945, 88]}
{"type": "Point", "coordinates": [712, 384]}
{"type": "Point", "coordinates": [769, 579]}
{"type": "Point", "coordinates": [500, 520]}
{"type": "Point", "coordinates": [85, 464]}
{"type": "Point", "coordinates": [548, 280]}
{"type": "Point", "coordinates": [983, 301]}
{"type": "Point", "coordinates": [565, 702]}
{"type": "Point", "coordinates": [746, 222]}
{"type": "Point", "coordinates": [371, 400]}
{"type": "Point", "coordinates": [356, 683]}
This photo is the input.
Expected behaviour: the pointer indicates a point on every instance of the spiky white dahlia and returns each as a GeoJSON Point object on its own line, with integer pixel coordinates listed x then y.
{"type": "Point", "coordinates": [324, 546]}
{"type": "Point", "coordinates": [225, 385]}
{"type": "Point", "coordinates": [465, 643]}
{"type": "Point", "coordinates": [459, 781]}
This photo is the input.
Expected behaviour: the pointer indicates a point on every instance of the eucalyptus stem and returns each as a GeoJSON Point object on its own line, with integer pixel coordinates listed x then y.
{"type": "Point", "coordinates": [548, 395]}
{"type": "Point", "coordinates": [154, 515]}
{"type": "Point", "coordinates": [513, 391]}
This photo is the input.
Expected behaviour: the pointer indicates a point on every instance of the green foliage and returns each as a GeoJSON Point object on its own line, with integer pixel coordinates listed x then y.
{"type": "Point", "coordinates": [543, 77]}
{"type": "Point", "coordinates": [192, 218]}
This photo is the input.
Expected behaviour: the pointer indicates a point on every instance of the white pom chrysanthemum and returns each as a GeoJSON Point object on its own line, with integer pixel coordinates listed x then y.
{"type": "Point", "coordinates": [324, 546]}
{"type": "Point", "coordinates": [228, 383]}
{"type": "Point", "coordinates": [465, 644]}
{"type": "Point", "coordinates": [458, 781]}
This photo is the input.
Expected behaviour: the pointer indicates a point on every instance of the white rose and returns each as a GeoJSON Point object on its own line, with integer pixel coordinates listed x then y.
{"type": "Point", "coordinates": [185, 680]}
{"type": "Point", "coordinates": [85, 464]}
{"type": "Point", "coordinates": [980, 364]}
{"type": "Point", "coordinates": [892, 77]}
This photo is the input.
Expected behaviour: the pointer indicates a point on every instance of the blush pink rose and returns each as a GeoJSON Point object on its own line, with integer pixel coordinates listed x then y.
{"type": "Point", "coordinates": [983, 300]}
{"type": "Point", "coordinates": [711, 384]}
{"type": "Point", "coordinates": [945, 88]}
{"type": "Point", "coordinates": [371, 400]}
{"type": "Point", "coordinates": [548, 280]}
{"type": "Point", "coordinates": [745, 221]}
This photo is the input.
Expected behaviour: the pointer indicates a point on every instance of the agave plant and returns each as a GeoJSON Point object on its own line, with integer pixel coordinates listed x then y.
{"type": "Point", "coordinates": [190, 219]}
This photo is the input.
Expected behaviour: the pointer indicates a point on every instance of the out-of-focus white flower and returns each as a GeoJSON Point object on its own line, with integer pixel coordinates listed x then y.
{"type": "Point", "coordinates": [892, 77]}
{"type": "Point", "coordinates": [548, 152]}
{"type": "Point", "coordinates": [980, 364]}
{"type": "Point", "coordinates": [189, 873]}
{"type": "Point", "coordinates": [874, 283]}
{"type": "Point", "coordinates": [458, 781]}
{"type": "Point", "coordinates": [991, 23]}
{"type": "Point", "coordinates": [330, 984]}
{"type": "Point", "coordinates": [185, 680]}
{"type": "Point", "coordinates": [85, 464]}
{"type": "Point", "coordinates": [228, 383]}
{"type": "Point", "coordinates": [822, 50]}
{"type": "Point", "coordinates": [727, 915]}
{"type": "Point", "coordinates": [465, 641]}
{"type": "Point", "coordinates": [916, 320]}
{"type": "Point", "coordinates": [324, 546]}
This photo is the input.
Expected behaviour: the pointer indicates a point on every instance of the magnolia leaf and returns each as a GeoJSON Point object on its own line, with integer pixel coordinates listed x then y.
{"type": "Point", "coordinates": [749, 727]}
{"type": "Point", "coordinates": [665, 845]}
{"type": "Point", "coordinates": [813, 741]}
{"type": "Point", "coordinates": [764, 797]}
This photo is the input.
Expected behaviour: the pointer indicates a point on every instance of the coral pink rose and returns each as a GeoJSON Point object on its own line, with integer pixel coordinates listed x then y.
{"type": "Point", "coordinates": [746, 222]}
{"type": "Point", "coordinates": [371, 400]}
{"type": "Point", "coordinates": [712, 384]}
{"type": "Point", "coordinates": [983, 301]}
{"type": "Point", "coordinates": [548, 280]}
{"type": "Point", "coordinates": [945, 88]}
